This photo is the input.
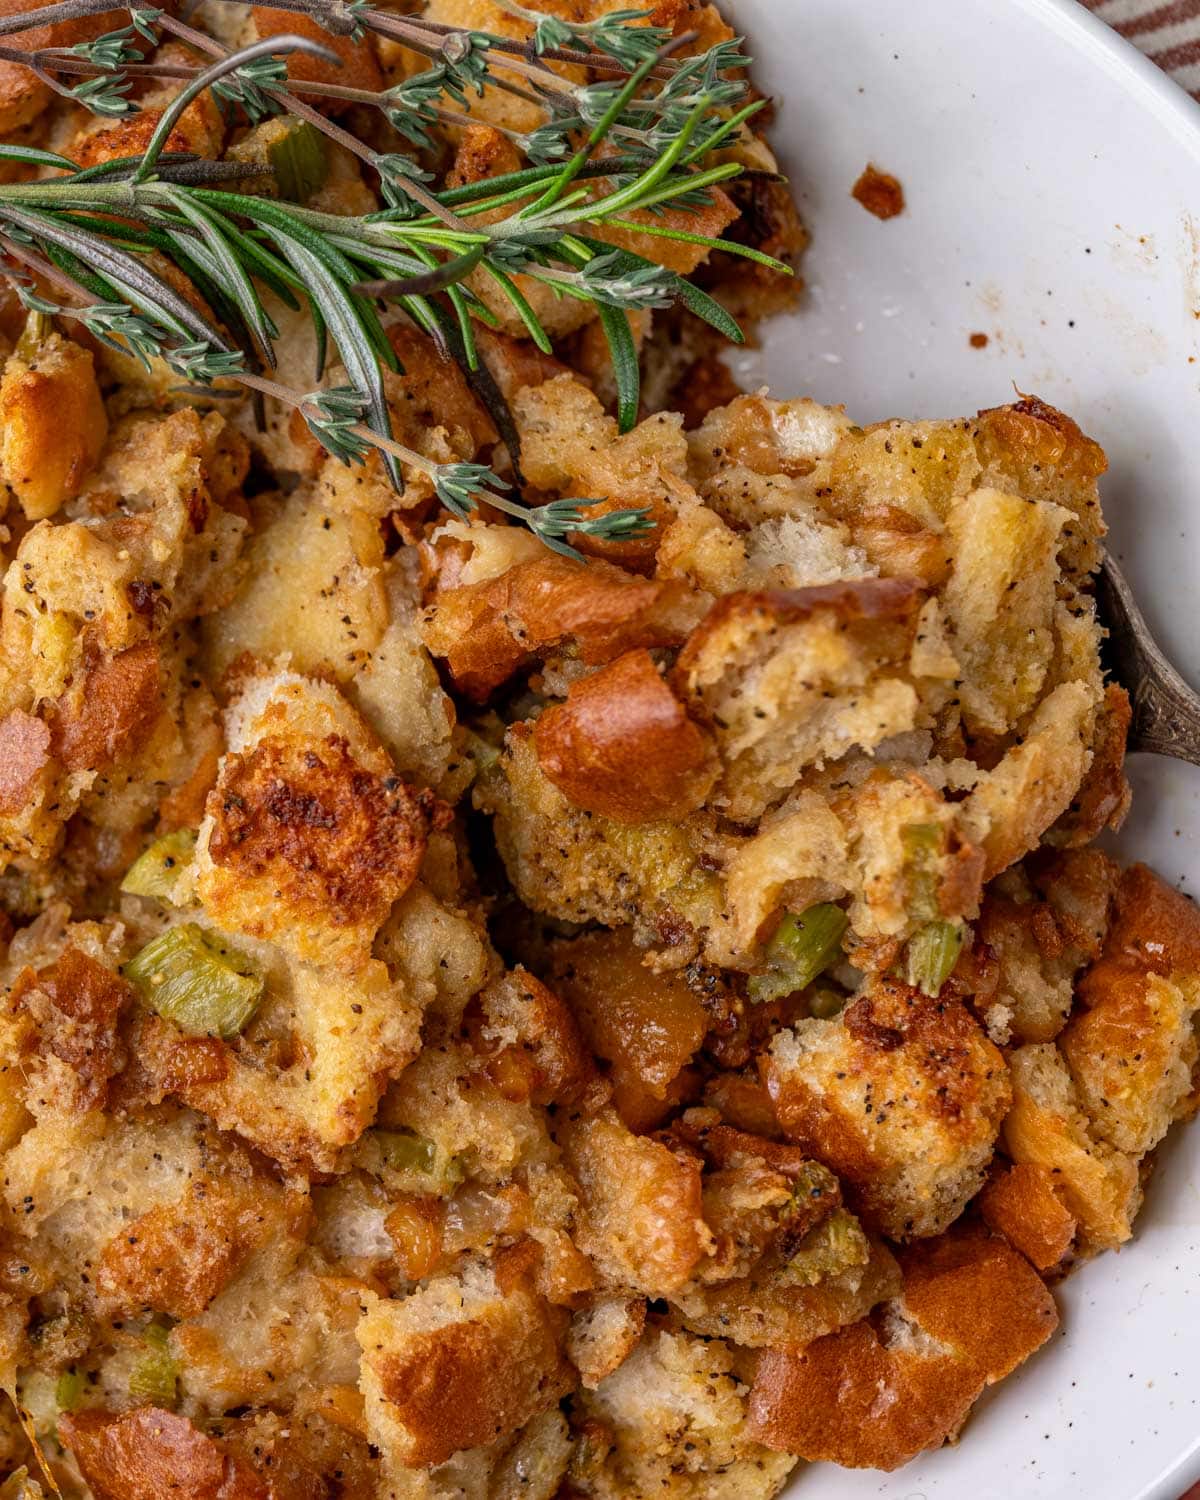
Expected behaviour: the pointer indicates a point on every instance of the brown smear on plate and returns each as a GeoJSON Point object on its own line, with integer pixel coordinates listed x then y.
{"type": "Point", "coordinates": [879, 192]}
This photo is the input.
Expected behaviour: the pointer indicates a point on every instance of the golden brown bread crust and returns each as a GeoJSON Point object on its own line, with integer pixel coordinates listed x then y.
{"type": "Point", "coordinates": [80, 1027]}
{"type": "Point", "coordinates": [148, 1452]}
{"type": "Point", "coordinates": [340, 840]}
{"type": "Point", "coordinates": [1022, 1203]}
{"type": "Point", "coordinates": [358, 67]}
{"type": "Point", "coordinates": [111, 712]}
{"type": "Point", "coordinates": [622, 745]}
{"type": "Point", "coordinates": [642, 1219]}
{"type": "Point", "coordinates": [1104, 794]}
{"type": "Point", "coordinates": [971, 1310]}
{"type": "Point", "coordinates": [487, 631]}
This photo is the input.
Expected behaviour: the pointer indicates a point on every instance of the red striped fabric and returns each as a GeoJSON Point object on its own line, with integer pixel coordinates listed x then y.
{"type": "Point", "coordinates": [1167, 31]}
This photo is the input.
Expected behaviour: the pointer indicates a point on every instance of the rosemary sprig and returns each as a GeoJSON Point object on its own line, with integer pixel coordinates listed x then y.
{"type": "Point", "coordinates": [637, 144]}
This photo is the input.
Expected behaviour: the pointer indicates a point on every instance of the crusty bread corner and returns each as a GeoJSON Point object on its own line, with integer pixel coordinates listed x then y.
{"type": "Point", "coordinates": [874, 1396]}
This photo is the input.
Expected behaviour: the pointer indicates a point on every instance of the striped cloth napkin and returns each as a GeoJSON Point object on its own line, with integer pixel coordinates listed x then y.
{"type": "Point", "coordinates": [1167, 31]}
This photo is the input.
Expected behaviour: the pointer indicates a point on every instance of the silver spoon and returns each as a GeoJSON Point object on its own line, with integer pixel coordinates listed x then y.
{"type": "Point", "coordinates": [1166, 711]}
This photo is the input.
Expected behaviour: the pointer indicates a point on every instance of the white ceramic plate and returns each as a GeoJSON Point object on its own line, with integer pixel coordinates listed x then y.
{"type": "Point", "coordinates": [1053, 186]}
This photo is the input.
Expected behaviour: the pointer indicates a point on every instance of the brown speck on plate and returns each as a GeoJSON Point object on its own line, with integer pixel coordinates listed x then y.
{"type": "Point", "coordinates": [978, 341]}
{"type": "Point", "coordinates": [879, 192]}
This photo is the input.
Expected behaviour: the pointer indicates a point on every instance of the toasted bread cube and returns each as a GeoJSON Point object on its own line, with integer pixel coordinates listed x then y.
{"type": "Point", "coordinates": [1047, 1127]}
{"type": "Point", "coordinates": [641, 1214]}
{"type": "Point", "coordinates": [1036, 451]}
{"type": "Point", "coordinates": [675, 1410]}
{"type": "Point", "coordinates": [788, 679]}
{"type": "Point", "coordinates": [604, 1334]}
{"type": "Point", "coordinates": [150, 1451]}
{"type": "Point", "coordinates": [53, 425]}
{"type": "Point", "coordinates": [1013, 805]}
{"type": "Point", "coordinates": [572, 864]}
{"type": "Point", "coordinates": [457, 1365]}
{"type": "Point", "coordinates": [310, 836]}
{"type": "Point", "coordinates": [902, 1096]}
{"type": "Point", "coordinates": [970, 1312]}
{"type": "Point", "coordinates": [1132, 1052]}
{"type": "Point", "coordinates": [1024, 1204]}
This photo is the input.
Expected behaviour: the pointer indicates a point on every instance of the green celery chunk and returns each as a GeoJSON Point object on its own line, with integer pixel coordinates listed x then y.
{"type": "Point", "coordinates": [932, 954]}
{"type": "Point", "coordinates": [409, 1154]}
{"type": "Point", "coordinates": [836, 1245]}
{"type": "Point", "coordinates": [922, 844]}
{"type": "Point", "coordinates": [189, 976]}
{"type": "Point", "coordinates": [155, 872]}
{"type": "Point", "coordinates": [802, 948]}
{"type": "Point", "coordinates": [153, 1378]}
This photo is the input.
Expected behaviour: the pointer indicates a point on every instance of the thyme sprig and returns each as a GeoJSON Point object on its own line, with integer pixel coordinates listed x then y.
{"type": "Point", "coordinates": [637, 144]}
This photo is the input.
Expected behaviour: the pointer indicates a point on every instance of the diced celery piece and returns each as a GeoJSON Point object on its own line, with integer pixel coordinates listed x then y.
{"type": "Point", "coordinates": [837, 1244]}
{"type": "Point", "coordinates": [922, 844]}
{"type": "Point", "coordinates": [38, 328]}
{"type": "Point", "coordinates": [190, 977]}
{"type": "Point", "coordinates": [68, 1390]}
{"type": "Point", "coordinates": [155, 872]}
{"type": "Point", "coordinates": [153, 1378]}
{"type": "Point", "coordinates": [409, 1154]}
{"type": "Point", "coordinates": [932, 954]}
{"type": "Point", "coordinates": [802, 948]}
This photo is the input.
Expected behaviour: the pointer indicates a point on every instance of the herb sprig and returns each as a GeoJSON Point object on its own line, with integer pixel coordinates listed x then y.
{"type": "Point", "coordinates": [635, 144]}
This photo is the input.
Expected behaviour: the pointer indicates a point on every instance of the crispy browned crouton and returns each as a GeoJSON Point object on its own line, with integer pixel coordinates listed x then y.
{"type": "Point", "coordinates": [52, 424]}
{"type": "Point", "coordinates": [111, 711]}
{"type": "Point", "coordinates": [542, 1053]}
{"type": "Point", "coordinates": [356, 66]}
{"type": "Point", "coordinates": [903, 1096]}
{"type": "Point", "coordinates": [1023, 1203]}
{"type": "Point", "coordinates": [1047, 1127]}
{"type": "Point", "coordinates": [641, 1211]}
{"type": "Point", "coordinates": [147, 1452]}
{"type": "Point", "coordinates": [486, 631]}
{"type": "Point", "coordinates": [457, 1365]}
{"type": "Point", "coordinates": [669, 1425]}
{"type": "Point", "coordinates": [78, 1024]}
{"type": "Point", "coordinates": [1133, 1049]}
{"type": "Point", "coordinates": [175, 1258]}
{"type": "Point", "coordinates": [971, 1310]}
{"type": "Point", "coordinates": [623, 746]}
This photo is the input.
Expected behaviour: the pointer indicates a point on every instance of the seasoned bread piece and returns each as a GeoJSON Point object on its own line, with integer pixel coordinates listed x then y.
{"type": "Point", "coordinates": [1047, 1127]}
{"type": "Point", "coordinates": [622, 745]}
{"type": "Point", "coordinates": [309, 835]}
{"type": "Point", "coordinates": [1132, 1049]}
{"type": "Point", "coordinates": [569, 863]}
{"type": "Point", "coordinates": [971, 1310]}
{"type": "Point", "coordinates": [640, 1210]}
{"type": "Point", "coordinates": [791, 679]}
{"type": "Point", "coordinates": [669, 1425]}
{"type": "Point", "coordinates": [1025, 1205]}
{"type": "Point", "coordinates": [486, 631]}
{"type": "Point", "coordinates": [604, 1334]}
{"type": "Point", "coordinates": [457, 1365]}
{"type": "Point", "coordinates": [902, 1096]}
{"type": "Point", "coordinates": [52, 424]}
